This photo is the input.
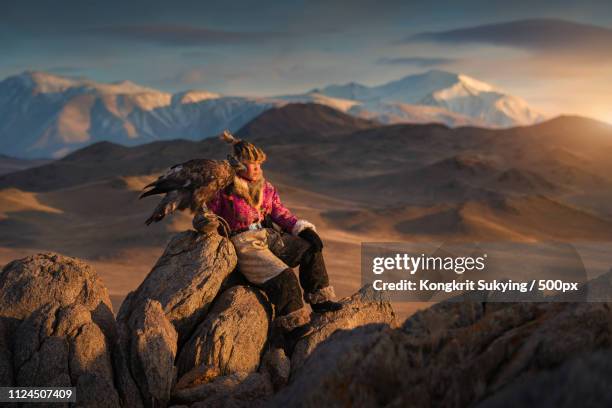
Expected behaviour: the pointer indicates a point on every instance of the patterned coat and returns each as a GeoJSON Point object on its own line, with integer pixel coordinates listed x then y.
{"type": "Point", "coordinates": [240, 212]}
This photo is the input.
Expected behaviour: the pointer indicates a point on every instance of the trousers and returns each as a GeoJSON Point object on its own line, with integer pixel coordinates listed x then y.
{"type": "Point", "coordinates": [266, 258]}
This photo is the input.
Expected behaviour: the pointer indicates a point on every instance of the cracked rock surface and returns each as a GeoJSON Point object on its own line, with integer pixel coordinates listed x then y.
{"type": "Point", "coordinates": [57, 328]}
{"type": "Point", "coordinates": [233, 335]}
{"type": "Point", "coordinates": [364, 307]}
{"type": "Point", "coordinates": [457, 355]}
{"type": "Point", "coordinates": [185, 280]}
{"type": "Point", "coordinates": [194, 335]}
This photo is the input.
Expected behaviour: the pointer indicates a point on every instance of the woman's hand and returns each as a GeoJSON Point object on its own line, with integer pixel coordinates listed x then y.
{"type": "Point", "coordinates": [309, 235]}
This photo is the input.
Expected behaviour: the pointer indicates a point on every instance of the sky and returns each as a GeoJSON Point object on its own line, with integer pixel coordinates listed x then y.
{"type": "Point", "coordinates": [555, 54]}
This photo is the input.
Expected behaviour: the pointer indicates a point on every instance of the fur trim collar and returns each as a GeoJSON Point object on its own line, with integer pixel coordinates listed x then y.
{"type": "Point", "coordinates": [252, 192]}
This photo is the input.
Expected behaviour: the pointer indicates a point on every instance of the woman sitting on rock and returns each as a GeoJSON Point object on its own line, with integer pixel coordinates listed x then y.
{"type": "Point", "coordinates": [265, 255]}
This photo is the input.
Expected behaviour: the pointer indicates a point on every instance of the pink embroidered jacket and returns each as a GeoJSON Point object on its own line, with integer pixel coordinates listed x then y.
{"type": "Point", "coordinates": [239, 214]}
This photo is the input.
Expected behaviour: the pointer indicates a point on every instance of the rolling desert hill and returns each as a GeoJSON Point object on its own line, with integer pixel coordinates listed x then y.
{"type": "Point", "coordinates": [297, 119]}
{"type": "Point", "coordinates": [375, 165]}
{"type": "Point", "coordinates": [105, 159]}
{"type": "Point", "coordinates": [11, 164]}
{"type": "Point", "coordinates": [356, 180]}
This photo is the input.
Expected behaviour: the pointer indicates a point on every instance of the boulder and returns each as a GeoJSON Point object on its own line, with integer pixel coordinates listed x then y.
{"type": "Point", "coordinates": [185, 280]}
{"type": "Point", "coordinates": [364, 307]}
{"type": "Point", "coordinates": [582, 381]}
{"type": "Point", "coordinates": [49, 278]}
{"type": "Point", "coordinates": [453, 354]}
{"type": "Point", "coordinates": [152, 351]}
{"type": "Point", "coordinates": [62, 331]}
{"type": "Point", "coordinates": [233, 335]}
{"type": "Point", "coordinates": [62, 347]}
{"type": "Point", "coordinates": [278, 367]}
{"type": "Point", "coordinates": [201, 374]}
{"type": "Point", "coordinates": [333, 376]}
{"type": "Point", "coordinates": [6, 356]}
{"type": "Point", "coordinates": [231, 391]}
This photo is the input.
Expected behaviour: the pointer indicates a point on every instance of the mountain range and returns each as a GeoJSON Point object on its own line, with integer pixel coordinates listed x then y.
{"type": "Point", "coordinates": [434, 96]}
{"type": "Point", "coordinates": [48, 116]}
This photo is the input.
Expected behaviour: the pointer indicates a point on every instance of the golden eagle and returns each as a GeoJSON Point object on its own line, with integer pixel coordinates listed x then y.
{"type": "Point", "coordinates": [191, 185]}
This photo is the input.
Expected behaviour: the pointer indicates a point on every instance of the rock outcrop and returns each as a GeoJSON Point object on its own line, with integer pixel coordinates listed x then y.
{"type": "Point", "coordinates": [277, 365]}
{"type": "Point", "coordinates": [185, 280]}
{"type": "Point", "coordinates": [364, 307]}
{"type": "Point", "coordinates": [588, 377]}
{"type": "Point", "coordinates": [62, 331]}
{"type": "Point", "coordinates": [233, 335]}
{"type": "Point", "coordinates": [234, 390]}
{"type": "Point", "coordinates": [61, 347]}
{"type": "Point", "coordinates": [30, 283]}
{"type": "Point", "coordinates": [453, 354]}
{"type": "Point", "coordinates": [162, 313]}
{"type": "Point", "coordinates": [6, 356]}
{"type": "Point", "coordinates": [195, 335]}
{"type": "Point", "coordinates": [153, 347]}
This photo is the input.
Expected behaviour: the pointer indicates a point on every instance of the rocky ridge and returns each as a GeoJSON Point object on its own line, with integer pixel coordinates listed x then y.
{"type": "Point", "coordinates": [195, 334]}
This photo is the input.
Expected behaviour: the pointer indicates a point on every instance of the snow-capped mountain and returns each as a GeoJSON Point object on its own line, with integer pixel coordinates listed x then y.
{"type": "Point", "coordinates": [395, 112]}
{"type": "Point", "coordinates": [460, 99]}
{"type": "Point", "coordinates": [45, 115]}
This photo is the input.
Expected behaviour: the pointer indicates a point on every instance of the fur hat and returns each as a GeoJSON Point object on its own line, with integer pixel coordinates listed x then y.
{"type": "Point", "coordinates": [243, 150]}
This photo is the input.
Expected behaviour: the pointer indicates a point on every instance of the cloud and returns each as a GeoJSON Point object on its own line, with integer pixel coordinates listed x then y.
{"type": "Point", "coordinates": [199, 55]}
{"type": "Point", "coordinates": [193, 76]}
{"type": "Point", "coordinates": [417, 61]}
{"type": "Point", "coordinates": [188, 78]}
{"type": "Point", "coordinates": [182, 35]}
{"type": "Point", "coordinates": [64, 70]}
{"type": "Point", "coordinates": [541, 35]}
{"type": "Point", "coordinates": [214, 77]}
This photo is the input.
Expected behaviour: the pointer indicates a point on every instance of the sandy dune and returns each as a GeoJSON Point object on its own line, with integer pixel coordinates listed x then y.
{"type": "Point", "coordinates": [12, 164]}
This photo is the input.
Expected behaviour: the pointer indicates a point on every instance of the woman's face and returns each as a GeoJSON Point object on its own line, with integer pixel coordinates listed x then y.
{"type": "Point", "coordinates": [253, 171]}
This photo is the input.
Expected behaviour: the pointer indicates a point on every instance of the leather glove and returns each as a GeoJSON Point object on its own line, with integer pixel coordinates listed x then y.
{"type": "Point", "coordinates": [309, 235]}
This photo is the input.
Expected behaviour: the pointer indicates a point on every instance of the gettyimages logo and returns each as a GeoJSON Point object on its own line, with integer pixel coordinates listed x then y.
{"type": "Point", "coordinates": [412, 264]}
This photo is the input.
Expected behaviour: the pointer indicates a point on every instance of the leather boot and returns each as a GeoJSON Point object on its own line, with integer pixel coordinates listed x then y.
{"type": "Point", "coordinates": [321, 300]}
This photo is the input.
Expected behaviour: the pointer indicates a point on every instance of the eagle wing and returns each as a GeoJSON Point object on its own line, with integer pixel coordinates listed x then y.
{"type": "Point", "coordinates": [188, 185]}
